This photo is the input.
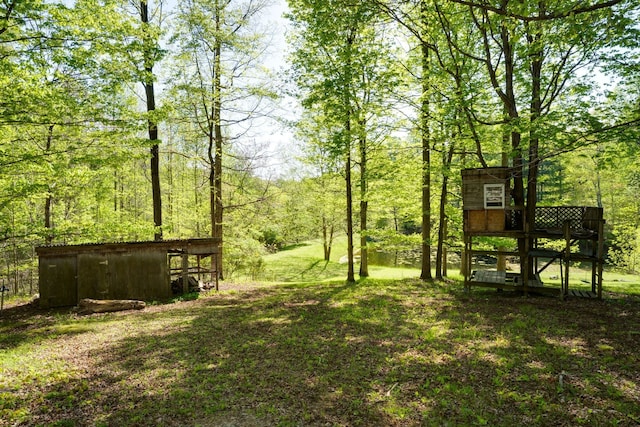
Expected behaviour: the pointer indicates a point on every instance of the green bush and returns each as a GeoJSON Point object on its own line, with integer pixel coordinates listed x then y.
{"type": "Point", "coordinates": [243, 256]}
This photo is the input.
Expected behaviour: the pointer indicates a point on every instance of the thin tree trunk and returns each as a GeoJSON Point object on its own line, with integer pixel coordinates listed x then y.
{"type": "Point", "coordinates": [350, 270]}
{"type": "Point", "coordinates": [443, 216]}
{"type": "Point", "coordinates": [426, 166]}
{"type": "Point", "coordinates": [348, 135]}
{"type": "Point", "coordinates": [48, 225]}
{"type": "Point", "coordinates": [327, 238]}
{"type": "Point", "coordinates": [151, 124]}
{"type": "Point", "coordinates": [216, 179]}
{"type": "Point", "coordinates": [364, 254]}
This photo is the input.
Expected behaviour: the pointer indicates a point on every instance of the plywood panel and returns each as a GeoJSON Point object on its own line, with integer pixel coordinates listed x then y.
{"type": "Point", "coordinates": [485, 220]}
{"type": "Point", "coordinates": [94, 277]}
{"type": "Point", "coordinates": [58, 281]}
{"type": "Point", "coordinates": [495, 220]}
{"type": "Point", "coordinates": [139, 275]}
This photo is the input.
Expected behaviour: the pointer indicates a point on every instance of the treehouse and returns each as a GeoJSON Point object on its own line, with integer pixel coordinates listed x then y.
{"type": "Point", "coordinates": [558, 234]}
{"type": "Point", "coordinates": [125, 270]}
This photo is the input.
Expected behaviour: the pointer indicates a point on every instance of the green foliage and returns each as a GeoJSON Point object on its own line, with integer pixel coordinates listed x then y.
{"type": "Point", "coordinates": [272, 238]}
{"type": "Point", "coordinates": [243, 257]}
{"type": "Point", "coordinates": [71, 130]}
{"type": "Point", "coordinates": [624, 249]}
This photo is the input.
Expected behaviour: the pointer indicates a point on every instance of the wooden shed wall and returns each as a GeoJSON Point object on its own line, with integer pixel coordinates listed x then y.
{"type": "Point", "coordinates": [58, 281]}
{"type": "Point", "coordinates": [139, 275]}
{"type": "Point", "coordinates": [126, 270]}
{"type": "Point", "coordinates": [473, 181]}
{"type": "Point", "coordinates": [66, 279]}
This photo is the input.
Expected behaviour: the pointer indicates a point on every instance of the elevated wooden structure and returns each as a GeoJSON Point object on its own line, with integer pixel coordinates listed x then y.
{"type": "Point", "coordinates": [123, 270]}
{"type": "Point", "coordinates": [488, 212]}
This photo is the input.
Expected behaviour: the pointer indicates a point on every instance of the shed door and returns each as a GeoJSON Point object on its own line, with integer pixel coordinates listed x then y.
{"type": "Point", "coordinates": [58, 281]}
{"type": "Point", "coordinates": [94, 276]}
{"type": "Point", "coordinates": [129, 275]}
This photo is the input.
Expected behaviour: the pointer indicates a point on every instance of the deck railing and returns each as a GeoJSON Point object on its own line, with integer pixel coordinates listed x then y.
{"type": "Point", "coordinates": [579, 217]}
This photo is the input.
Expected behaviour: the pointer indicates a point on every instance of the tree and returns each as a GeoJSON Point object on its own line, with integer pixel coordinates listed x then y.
{"type": "Point", "coordinates": [531, 53]}
{"type": "Point", "coordinates": [150, 54]}
{"type": "Point", "coordinates": [342, 67]}
{"type": "Point", "coordinates": [323, 66]}
{"type": "Point", "coordinates": [324, 183]}
{"type": "Point", "coordinates": [125, 48]}
{"type": "Point", "coordinates": [219, 84]}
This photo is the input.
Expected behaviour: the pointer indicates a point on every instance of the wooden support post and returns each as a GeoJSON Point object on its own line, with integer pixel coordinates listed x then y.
{"type": "Point", "coordinates": [566, 229]}
{"type": "Point", "coordinates": [600, 255]}
{"type": "Point", "coordinates": [465, 262]}
{"type": "Point", "coordinates": [185, 272]}
{"type": "Point", "coordinates": [199, 257]}
{"type": "Point", "coordinates": [594, 265]}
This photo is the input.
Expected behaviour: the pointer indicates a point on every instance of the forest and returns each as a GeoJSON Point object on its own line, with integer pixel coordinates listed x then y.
{"type": "Point", "coordinates": [132, 121]}
{"type": "Point", "coordinates": [314, 138]}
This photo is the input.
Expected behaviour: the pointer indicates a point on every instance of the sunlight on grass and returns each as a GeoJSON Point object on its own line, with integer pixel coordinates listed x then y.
{"type": "Point", "coordinates": [304, 263]}
{"type": "Point", "coordinates": [311, 349]}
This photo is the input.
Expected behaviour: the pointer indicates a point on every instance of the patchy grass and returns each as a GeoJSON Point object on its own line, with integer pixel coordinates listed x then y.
{"type": "Point", "coordinates": [378, 352]}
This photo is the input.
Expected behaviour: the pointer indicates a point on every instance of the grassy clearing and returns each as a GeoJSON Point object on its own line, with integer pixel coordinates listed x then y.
{"type": "Point", "coordinates": [379, 352]}
{"type": "Point", "coordinates": [304, 263]}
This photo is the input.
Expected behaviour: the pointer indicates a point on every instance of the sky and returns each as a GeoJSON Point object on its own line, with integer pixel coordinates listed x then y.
{"type": "Point", "coordinates": [276, 142]}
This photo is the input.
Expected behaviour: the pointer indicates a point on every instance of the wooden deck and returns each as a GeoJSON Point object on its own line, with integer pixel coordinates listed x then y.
{"type": "Point", "coordinates": [510, 281]}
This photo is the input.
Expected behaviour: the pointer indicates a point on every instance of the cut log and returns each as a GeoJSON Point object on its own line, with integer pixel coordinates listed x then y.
{"type": "Point", "coordinates": [90, 306]}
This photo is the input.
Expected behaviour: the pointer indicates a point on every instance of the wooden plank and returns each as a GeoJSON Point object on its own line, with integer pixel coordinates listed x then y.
{"type": "Point", "coordinates": [489, 276]}
{"type": "Point", "coordinates": [58, 281]}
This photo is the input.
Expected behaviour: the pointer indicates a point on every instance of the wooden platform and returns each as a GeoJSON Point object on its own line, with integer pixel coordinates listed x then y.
{"type": "Point", "coordinates": [582, 294]}
{"type": "Point", "coordinates": [502, 278]}
{"type": "Point", "coordinates": [510, 281]}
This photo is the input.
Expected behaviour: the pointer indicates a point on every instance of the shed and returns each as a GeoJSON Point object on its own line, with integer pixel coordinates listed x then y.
{"type": "Point", "coordinates": [123, 270]}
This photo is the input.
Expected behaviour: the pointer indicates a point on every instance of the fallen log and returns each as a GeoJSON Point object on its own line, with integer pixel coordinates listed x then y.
{"type": "Point", "coordinates": [90, 306]}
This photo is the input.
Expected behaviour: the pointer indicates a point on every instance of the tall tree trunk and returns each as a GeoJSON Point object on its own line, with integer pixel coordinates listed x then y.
{"type": "Point", "coordinates": [48, 225]}
{"type": "Point", "coordinates": [348, 138]}
{"type": "Point", "coordinates": [350, 270]}
{"type": "Point", "coordinates": [536, 58]}
{"type": "Point", "coordinates": [215, 179]}
{"type": "Point", "coordinates": [151, 124]}
{"type": "Point", "coordinates": [364, 254]}
{"type": "Point", "coordinates": [440, 259]}
{"type": "Point", "coordinates": [509, 101]}
{"type": "Point", "coordinates": [501, 264]}
{"type": "Point", "coordinates": [426, 164]}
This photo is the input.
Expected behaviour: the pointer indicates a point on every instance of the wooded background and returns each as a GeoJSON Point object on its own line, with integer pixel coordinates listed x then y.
{"type": "Point", "coordinates": [125, 120]}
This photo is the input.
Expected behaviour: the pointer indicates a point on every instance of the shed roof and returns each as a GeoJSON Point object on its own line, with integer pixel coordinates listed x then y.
{"type": "Point", "coordinates": [196, 246]}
